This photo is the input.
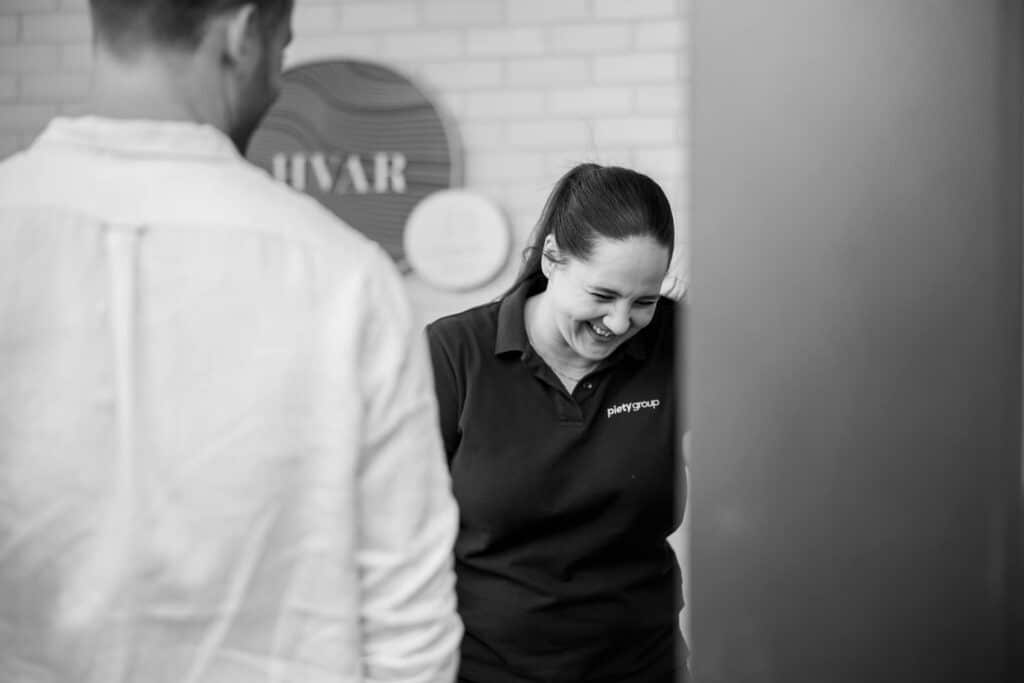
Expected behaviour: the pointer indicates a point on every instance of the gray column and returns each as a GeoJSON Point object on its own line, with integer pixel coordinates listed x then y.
{"type": "Point", "coordinates": [854, 344]}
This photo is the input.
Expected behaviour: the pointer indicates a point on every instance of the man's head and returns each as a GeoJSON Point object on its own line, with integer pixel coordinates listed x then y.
{"type": "Point", "coordinates": [226, 53]}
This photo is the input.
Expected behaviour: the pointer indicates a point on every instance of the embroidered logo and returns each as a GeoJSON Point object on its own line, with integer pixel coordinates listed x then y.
{"type": "Point", "coordinates": [633, 407]}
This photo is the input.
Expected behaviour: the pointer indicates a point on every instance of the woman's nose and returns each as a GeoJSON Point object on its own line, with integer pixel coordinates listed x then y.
{"type": "Point", "coordinates": [617, 321]}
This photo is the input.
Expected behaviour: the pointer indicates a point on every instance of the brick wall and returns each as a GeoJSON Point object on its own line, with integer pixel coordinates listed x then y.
{"type": "Point", "coordinates": [532, 87]}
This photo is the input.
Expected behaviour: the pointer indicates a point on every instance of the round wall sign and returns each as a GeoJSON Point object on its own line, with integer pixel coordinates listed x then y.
{"type": "Point", "coordinates": [456, 240]}
{"type": "Point", "coordinates": [360, 138]}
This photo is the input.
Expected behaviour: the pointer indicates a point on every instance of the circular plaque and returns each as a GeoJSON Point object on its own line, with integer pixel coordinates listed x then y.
{"type": "Point", "coordinates": [456, 240]}
{"type": "Point", "coordinates": [360, 138]}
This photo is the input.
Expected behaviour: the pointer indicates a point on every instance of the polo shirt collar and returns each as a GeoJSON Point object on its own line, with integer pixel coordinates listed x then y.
{"type": "Point", "coordinates": [511, 335]}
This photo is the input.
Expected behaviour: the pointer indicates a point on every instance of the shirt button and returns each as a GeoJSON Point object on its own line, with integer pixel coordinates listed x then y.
{"type": "Point", "coordinates": [588, 385]}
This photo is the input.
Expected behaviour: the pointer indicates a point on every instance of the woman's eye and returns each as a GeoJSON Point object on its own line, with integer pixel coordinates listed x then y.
{"type": "Point", "coordinates": [645, 303]}
{"type": "Point", "coordinates": [602, 297]}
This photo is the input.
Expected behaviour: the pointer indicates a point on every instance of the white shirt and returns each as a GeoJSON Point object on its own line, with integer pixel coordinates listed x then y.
{"type": "Point", "coordinates": [219, 453]}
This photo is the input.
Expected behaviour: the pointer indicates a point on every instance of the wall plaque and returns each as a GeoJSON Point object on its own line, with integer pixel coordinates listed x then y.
{"type": "Point", "coordinates": [363, 140]}
{"type": "Point", "coordinates": [456, 240]}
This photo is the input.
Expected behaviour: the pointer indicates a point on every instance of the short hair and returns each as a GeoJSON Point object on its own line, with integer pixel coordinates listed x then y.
{"type": "Point", "coordinates": [593, 201]}
{"type": "Point", "coordinates": [127, 25]}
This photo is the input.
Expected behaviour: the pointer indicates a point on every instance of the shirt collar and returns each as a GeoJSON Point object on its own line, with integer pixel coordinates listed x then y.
{"type": "Point", "coordinates": [141, 137]}
{"type": "Point", "coordinates": [511, 335]}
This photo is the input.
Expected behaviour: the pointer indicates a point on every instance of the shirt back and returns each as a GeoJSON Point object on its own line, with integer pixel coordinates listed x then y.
{"type": "Point", "coordinates": [197, 368]}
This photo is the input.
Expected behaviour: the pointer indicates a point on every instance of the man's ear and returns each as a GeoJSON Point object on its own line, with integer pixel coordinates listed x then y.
{"type": "Point", "coordinates": [240, 27]}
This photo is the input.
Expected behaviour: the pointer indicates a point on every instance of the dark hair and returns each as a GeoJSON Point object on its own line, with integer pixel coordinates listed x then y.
{"type": "Point", "coordinates": [593, 201]}
{"type": "Point", "coordinates": [127, 25]}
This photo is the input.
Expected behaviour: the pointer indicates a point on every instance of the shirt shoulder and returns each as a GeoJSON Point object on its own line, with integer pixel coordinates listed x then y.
{"type": "Point", "coordinates": [226, 195]}
{"type": "Point", "coordinates": [471, 332]}
{"type": "Point", "coordinates": [12, 168]}
{"type": "Point", "coordinates": [267, 205]}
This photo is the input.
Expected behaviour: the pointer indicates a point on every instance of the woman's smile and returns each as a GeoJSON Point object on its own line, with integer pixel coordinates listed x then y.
{"type": "Point", "coordinates": [603, 334]}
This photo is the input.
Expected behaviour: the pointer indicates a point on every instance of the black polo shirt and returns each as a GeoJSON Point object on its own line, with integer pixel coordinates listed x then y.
{"type": "Point", "coordinates": [564, 572]}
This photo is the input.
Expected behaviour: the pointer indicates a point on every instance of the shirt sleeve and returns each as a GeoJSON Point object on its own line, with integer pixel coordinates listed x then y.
{"type": "Point", "coordinates": [407, 516]}
{"type": "Point", "coordinates": [446, 386]}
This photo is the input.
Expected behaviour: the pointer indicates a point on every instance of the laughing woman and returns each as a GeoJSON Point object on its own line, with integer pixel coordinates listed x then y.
{"type": "Point", "coordinates": [558, 407]}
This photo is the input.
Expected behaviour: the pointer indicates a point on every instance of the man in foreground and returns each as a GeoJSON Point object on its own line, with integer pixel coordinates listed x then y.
{"type": "Point", "coordinates": [218, 448]}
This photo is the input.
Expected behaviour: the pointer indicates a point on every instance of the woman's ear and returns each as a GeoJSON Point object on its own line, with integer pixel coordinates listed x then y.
{"type": "Point", "coordinates": [549, 255]}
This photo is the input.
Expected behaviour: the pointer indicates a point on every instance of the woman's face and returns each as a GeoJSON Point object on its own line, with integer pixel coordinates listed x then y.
{"type": "Point", "coordinates": [599, 303]}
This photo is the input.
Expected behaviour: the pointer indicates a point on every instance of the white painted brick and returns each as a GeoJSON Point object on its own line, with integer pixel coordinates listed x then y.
{"type": "Point", "coordinates": [660, 35]}
{"type": "Point", "coordinates": [635, 130]}
{"type": "Point", "coordinates": [545, 11]}
{"type": "Point", "coordinates": [9, 144]}
{"type": "Point", "coordinates": [630, 9]}
{"type": "Point", "coordinates": [73, 108]}
{"type": "Point", "coordinates": [547, 134]}
{"type": "Point", "coordinates": [594, 100]}
{"type": "Point", "coordinates": [334, 46]}
{"type": "Point", "coordinates": [524, 220]}
{"type": "Point", "coordinates": [313, 20]}
{"type": "Point", "coordinates": [660, 161]}
{"type": "Point", "coordinates": [464, 75]}
{"type": "Point", "coordinates": [483, 135]}
{"type": "Point", "coordinates": [603, 155]}
{"type": "Point", "coordinates": [505, 42]}
{"type": "Point", "coordinates": [463, 12]}
{"type": "Point", "coordinates": [590, 38]}
{"type": "Point", "coordinates": [8, 87]}
{"type": "Point", "coordinates": [547, 71]}
{"type": "Point", "coordinates": [76, 57]}
{"type": "Point", "coordinates": [684, 133]}
{"type": "Point", "coordinates": [559, 163]}
{"type": "Point", "coordinates": [28, 58]}
{"type": "Point", "coordinates": [378, 15]}
{"type": "Point", "coordinates": [505, 166]}
{"type": "Point", "coordinates": [684, 66]}
{"type": "Point", "coordinates": [424, 44]}
{"type": "Point", "coordinates": [451, 105]}
{"type": "Point", "coordinates": [526, 199]}
{"type": "Point", "coordinates": [607, 155]}
{"type": "Point", "coordinates": [8, 28]}
{"type": "Point", "coordinates": [25, 119]}
{"type": "Point", "coordinates": [55, 28]}
{"type": "Point", "coordinates": [660, 99]}
{"type": "Point", "coordinates": [56, 88]}
{"type": "Point", "coordinates": [410, 67]}
{"type": "Point", "coordinates": [643, 68]}
{"type": "Point", "coordinates": [25, 6]}
{"type": "Point", "coordinates": [504, 103]}
{"type": "Point", "coordinates": [679, 198]}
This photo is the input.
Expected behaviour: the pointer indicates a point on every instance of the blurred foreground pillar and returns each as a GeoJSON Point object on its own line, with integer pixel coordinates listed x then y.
{"type": "Point", "coordinates": [854, 341]}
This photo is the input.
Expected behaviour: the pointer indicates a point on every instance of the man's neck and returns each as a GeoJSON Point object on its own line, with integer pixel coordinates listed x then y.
{"type": "Point", "coordinates": [152, 87]}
